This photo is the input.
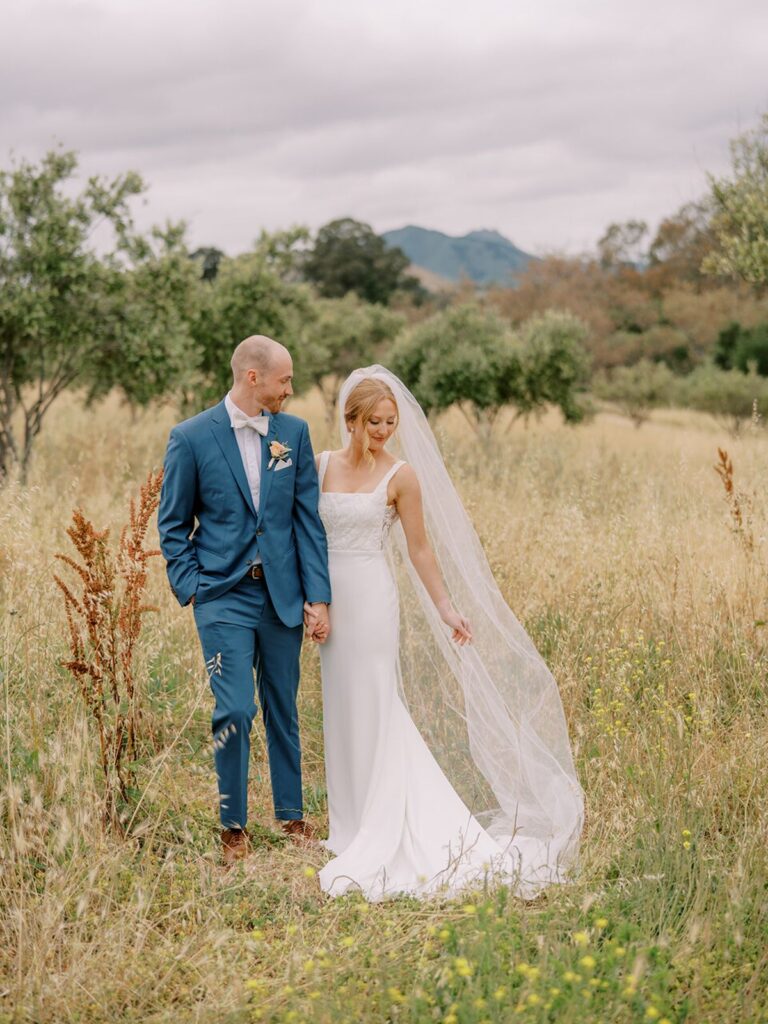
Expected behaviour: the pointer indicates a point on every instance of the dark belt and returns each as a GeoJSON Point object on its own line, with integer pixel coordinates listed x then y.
{"type": "Point", "coordinates": [256, 572]}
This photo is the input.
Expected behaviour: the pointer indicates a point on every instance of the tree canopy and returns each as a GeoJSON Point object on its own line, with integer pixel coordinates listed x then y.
{"type": "Point", "coordinates": [69, 314]}
{"type": "Point", "coordinates": [468, 356]}
{"type": "Point", "coordinates": [740, 222]}
{"type": "Point", "coordinates": [348, 256]}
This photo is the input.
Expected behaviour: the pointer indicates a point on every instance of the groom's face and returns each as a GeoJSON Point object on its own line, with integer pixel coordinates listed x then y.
{"type": "Point", "coordinates": [274, 385]}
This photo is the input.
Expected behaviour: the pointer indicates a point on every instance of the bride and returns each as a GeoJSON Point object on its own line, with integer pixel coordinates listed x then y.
{"type": "Point", "coordinates": [446, 750]}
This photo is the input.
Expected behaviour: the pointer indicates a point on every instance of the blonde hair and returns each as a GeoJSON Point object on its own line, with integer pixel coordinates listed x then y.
{"type": "Point", "coordinates": [361, 401]}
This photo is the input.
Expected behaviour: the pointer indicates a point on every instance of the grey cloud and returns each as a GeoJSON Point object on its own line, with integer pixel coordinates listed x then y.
{"type": "Point", "coordinates": [540, 122]}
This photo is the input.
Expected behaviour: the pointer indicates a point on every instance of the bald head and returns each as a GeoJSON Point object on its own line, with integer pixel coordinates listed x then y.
{"type": "Point", "coordinates": [263, 372]}
{"type": "Point", "coordinates": [256, 353]}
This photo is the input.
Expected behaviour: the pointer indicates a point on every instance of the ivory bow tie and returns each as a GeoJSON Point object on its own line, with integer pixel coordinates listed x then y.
{"type": "Point", "coordinates": [259, 423]}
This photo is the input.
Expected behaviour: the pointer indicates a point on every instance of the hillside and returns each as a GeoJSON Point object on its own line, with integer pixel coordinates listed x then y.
{"type": "Point", "coordinates": [485, 257]}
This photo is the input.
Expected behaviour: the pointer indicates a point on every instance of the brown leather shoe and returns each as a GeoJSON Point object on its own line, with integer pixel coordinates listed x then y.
{"type": "Point", "coordinates": [300, 831]}
{"type": "Point", "coordinates": [235, 845]}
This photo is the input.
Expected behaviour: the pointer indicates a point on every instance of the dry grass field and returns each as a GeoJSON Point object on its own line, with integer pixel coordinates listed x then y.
{"type": "Point", "coordinates": [619, 551]}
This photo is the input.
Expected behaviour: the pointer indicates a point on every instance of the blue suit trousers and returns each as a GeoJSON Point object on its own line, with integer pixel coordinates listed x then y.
{"type": "Point", "coordinates": [242, 635]}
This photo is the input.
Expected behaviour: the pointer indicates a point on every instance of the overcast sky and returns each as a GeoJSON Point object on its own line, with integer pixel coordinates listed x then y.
{"type": "Point", "coordinates": [544, 119]}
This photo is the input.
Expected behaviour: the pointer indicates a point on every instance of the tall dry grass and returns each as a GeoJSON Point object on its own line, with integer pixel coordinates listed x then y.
{"type": "Point", "coordinates": [618, 550]}
{"type": "Point", "coordinates": [104, 607]}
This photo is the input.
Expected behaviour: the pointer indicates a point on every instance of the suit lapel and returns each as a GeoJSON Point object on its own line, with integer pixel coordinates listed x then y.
{"type": "Point", "coordinates": [266, 474]}
{"type": "Point", "coordinates": [225, 438]}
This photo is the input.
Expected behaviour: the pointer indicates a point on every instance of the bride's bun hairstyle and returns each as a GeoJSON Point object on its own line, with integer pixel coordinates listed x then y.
{"type": "Point", "coordinates": [361, 401]}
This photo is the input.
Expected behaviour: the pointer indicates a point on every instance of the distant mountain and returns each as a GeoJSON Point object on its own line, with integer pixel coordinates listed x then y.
{"type": "Point", "coordinates": [485, 257]}
{"type": "Point", "coordinates": [430, 280]}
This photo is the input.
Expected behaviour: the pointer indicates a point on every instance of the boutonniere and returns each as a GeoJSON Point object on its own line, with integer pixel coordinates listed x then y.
{"type": "Point", "coordinates": [279, 453]}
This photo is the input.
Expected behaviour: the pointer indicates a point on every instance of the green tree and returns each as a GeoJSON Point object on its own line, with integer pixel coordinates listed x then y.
{"type": "Point", "coordinates": [285, 252]}
{"type": "Point", "coordinates": [635, 389]}
{"type": "Point", "coordinates": [150, 351]}
{"type": "Point", "coordinates": [208, 257]}
{"type": "Point", "coordinates": [732, 397]}
{"type": "Point", "coordinates": [468, 356]}
{"type": "Point", "coordinates": [348, 256]}
{"type": "Point", "coordinates": [342, 335]}
{"type": "Point", "coordinates": [56, 293]}
{"type": "Point", "coordinates": [740, 222]}
{"type": "Point", "coordinates": [458, 356]}
{"type": "Point", "coordinates": [555, 364]}
{"type": "Point", "coordinates": [737, 347]}
{"type": "Point", "coordinates": [249, 296]}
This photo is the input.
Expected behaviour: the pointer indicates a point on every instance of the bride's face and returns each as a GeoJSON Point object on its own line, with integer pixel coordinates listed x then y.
{"type": "Point", "coordinates": [382, 424]}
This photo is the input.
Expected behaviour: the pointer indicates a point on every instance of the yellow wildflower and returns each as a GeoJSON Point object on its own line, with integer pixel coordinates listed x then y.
{"type": "Point", "coordinates": [463, 967]}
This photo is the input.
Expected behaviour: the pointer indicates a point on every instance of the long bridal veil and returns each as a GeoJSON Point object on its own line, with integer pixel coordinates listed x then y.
{"type": "Point", "coordinates": [490, 711]}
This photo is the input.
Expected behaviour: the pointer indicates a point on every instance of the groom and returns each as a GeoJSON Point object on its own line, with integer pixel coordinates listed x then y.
{"type": "Point", "coordinates": [244, 544]}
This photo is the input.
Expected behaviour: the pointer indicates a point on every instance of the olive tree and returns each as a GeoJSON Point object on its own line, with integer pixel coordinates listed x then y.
{"type": "Point", "coordinates": [469, 357]}
{"type": "Point", "coordinates": [74, 316]}
{"type": "Point", "coordinates": [340, 336]}
{"type": "Point", "coordinates": [740, 221]}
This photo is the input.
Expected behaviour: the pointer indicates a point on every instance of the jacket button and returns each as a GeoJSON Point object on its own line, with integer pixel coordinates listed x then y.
{"type": "Point", "coordinates": [259, 533]}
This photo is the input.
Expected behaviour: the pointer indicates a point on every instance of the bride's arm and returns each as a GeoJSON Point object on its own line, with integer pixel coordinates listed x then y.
{"type": "Point", "coordinates": [408, 500]}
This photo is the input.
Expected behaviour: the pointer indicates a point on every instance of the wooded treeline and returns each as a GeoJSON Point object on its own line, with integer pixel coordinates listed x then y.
{"type": "Point", "coordinates": [680, 317]}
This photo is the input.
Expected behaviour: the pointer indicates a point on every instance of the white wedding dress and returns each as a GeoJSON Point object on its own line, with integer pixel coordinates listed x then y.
{"type": "Point", "coordinates": [396, 823]}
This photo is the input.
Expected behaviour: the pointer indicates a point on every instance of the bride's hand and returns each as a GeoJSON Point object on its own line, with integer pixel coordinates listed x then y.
{"type": "Point", "coordinates": [462, 631]}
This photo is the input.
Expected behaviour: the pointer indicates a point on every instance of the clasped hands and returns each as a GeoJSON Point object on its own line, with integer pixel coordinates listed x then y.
{"type": "Point", "coordinates": [316, 622]}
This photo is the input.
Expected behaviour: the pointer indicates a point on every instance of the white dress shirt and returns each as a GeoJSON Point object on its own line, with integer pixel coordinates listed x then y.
{"type": "Point", "coordinates": [249, 443]}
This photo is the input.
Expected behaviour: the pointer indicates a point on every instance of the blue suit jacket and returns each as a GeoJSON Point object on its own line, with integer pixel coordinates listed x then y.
{"type": "Point", "coordinates": [210, 531]}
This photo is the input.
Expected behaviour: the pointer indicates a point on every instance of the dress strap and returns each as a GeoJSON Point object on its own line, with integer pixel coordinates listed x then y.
{"type": "Point", "coordinates": [324, 457]}
{"type": "Point", "coordinates": [389, 474]}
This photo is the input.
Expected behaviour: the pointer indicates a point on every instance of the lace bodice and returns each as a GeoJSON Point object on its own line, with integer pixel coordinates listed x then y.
{"type": "Point", "coordinates": [356, 521]}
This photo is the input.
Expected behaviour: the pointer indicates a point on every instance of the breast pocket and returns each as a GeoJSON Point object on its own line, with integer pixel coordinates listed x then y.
{"type": "Point", "coordinates": [283, 477]}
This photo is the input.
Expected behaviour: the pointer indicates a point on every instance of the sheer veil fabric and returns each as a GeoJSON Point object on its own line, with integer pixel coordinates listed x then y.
{"type": "Point", "coordinates": [490, 712]}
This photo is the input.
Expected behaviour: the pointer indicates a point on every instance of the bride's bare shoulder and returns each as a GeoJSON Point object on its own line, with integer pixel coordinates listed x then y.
{"type": "Point", "coordinates": [405, 480]}
{"type": "Point", "coordinates": [319, 455]}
